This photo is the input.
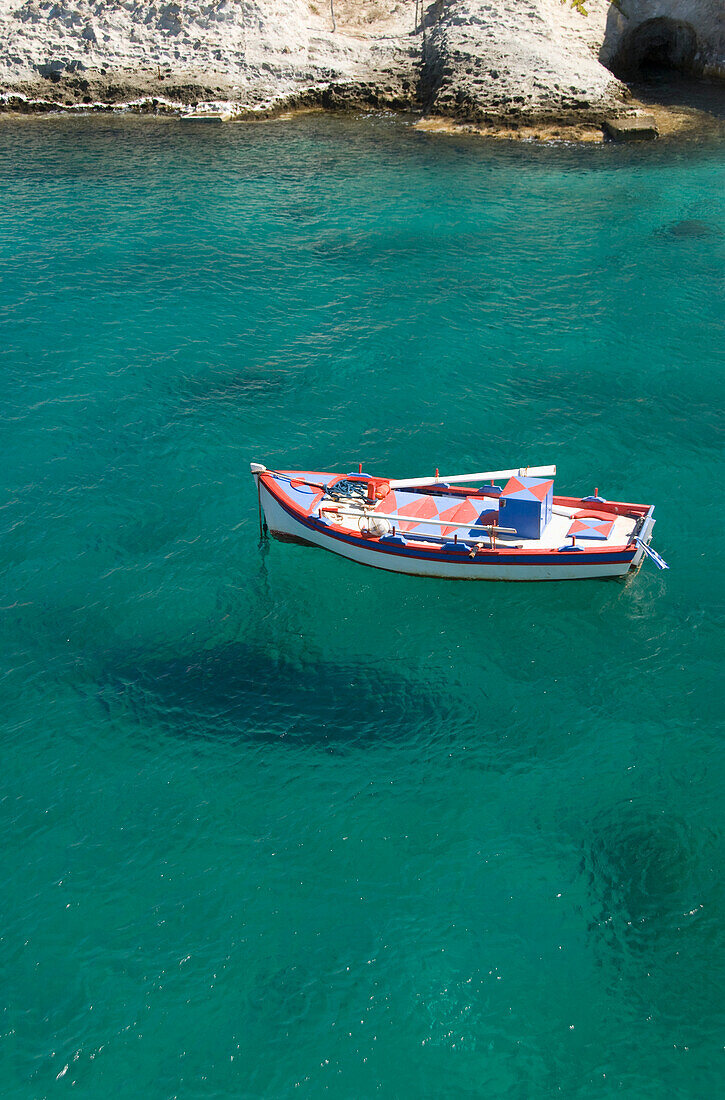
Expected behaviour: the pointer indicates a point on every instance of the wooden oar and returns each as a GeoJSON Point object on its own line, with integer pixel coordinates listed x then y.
{"type": "Point", "coordinates": [420, 519]}
{"type": "Point", "coordinates": [488, 475]}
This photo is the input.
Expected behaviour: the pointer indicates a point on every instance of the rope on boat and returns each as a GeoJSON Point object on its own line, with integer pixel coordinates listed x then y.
{"type": "Point", "coordinates": [301, 480]}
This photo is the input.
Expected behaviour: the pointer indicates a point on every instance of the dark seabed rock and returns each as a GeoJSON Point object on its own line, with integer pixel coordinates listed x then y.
{"type": "Point", "coordinates": [656, 907]}
{"type": "Point", "coordinates": [230, 386]}
{"type": "Point", "coordinates": [640, 865]}
{"type": "Point", "coordinates": [689, 229]}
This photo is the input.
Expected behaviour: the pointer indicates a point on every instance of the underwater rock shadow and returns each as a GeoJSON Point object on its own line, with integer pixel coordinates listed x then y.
{"type": "Point", "coordinates": [637, 862]}
{"type": "Point", "coordinates": [690, 229]}
{"type": "Point", "coordinates": [643, 867]}
{"type": "Point", "coordinates": [246, 693]}
{"type": "Point", "coordinates": [233, 387]}
{"type": "Point", "coordinates": [655, 909]}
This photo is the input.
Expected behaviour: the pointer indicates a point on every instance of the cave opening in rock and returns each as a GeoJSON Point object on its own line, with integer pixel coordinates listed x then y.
{"type": "Point", "coordinates": [656, 48]}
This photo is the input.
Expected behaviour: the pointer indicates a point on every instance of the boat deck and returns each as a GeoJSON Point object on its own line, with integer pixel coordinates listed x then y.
{"type": "Point", "coordinates": [602, 529]}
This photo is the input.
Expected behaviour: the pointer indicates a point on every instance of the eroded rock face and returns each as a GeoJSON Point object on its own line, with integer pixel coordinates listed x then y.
{"type": "Point", "coordinates": [515, 57]}
{"type": "Point", "coordinates": [249, 51]}
{"type": "Point", "coordinates": [472, 59]}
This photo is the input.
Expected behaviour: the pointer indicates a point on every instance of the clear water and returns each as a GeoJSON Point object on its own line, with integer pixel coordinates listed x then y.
{"type": "Point", "coordinates": [276, 825]}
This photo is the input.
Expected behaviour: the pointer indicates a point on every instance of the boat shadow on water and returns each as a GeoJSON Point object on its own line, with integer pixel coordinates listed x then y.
{"type": "Point", "coordinates": [247, 694]}
{"type": "Point", "coordinates": [242, 692]}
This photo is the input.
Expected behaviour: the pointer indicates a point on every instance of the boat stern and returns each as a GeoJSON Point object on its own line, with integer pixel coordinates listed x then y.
{"type": "Point", "coordinates": [642, 537]}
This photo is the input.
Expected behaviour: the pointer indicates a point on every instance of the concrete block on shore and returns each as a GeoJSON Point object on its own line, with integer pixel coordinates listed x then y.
{"type": "Point", "coordinates": [631, 128]}
{"type": "Point", "coordinates": [209, 117]}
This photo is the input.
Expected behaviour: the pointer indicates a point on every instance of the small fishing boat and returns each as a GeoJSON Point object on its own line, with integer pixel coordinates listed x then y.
{"type": "Point", "coordinates": [464, 527]}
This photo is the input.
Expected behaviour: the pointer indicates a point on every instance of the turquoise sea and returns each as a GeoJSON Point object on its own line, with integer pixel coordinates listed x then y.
{"type": "Point", "coordinates": [275, 825]}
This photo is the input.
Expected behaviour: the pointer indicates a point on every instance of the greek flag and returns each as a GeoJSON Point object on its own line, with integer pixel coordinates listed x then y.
{"type": "Point", "coordinates": [659, 561]}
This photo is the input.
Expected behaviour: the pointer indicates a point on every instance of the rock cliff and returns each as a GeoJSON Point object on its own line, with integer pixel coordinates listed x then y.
{"type": "Point", "coordinates": [469, 59]}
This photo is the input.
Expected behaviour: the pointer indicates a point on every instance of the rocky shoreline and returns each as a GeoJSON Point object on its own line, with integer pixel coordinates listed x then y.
{"type": "Point", "coordinates": [671, 121]}
{"type": "Point", "coordinates": [515, 68]}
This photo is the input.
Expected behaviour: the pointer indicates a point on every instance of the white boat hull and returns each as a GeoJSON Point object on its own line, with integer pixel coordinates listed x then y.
{"type": "Point", "coordinates": [493, 567]}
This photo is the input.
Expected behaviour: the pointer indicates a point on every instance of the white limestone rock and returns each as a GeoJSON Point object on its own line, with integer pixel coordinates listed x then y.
{"type": "Point", "coordinates": [466, 58]}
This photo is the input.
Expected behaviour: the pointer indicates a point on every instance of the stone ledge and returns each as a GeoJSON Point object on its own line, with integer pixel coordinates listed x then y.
{"type": "Point", "coordinates": [631, 128]}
